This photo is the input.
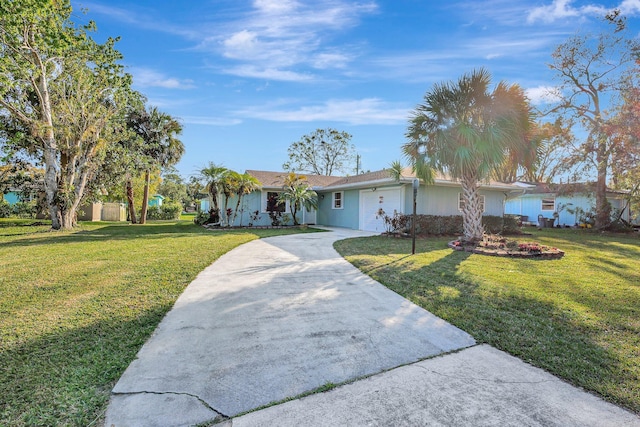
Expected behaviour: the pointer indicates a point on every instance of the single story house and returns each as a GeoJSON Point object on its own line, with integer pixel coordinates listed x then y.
{"type": "Point", "coordinates": [565, 203]}
{"type": "Point", "coordinates": [355, 201]}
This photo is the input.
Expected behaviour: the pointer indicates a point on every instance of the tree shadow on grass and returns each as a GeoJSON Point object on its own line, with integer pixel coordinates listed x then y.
{"type": "Point", "coordinates": [544, 333]}
{"type": "Point", "coordinates": [65, 377]}
{"type": "Point", "coordinates": [116, 232]}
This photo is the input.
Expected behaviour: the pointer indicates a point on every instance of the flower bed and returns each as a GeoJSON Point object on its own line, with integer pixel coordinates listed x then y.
{"type": "Point", "coordinates": [493, 245]}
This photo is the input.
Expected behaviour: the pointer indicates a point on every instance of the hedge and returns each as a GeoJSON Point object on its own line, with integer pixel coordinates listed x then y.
{"type": "Point", "coordinates": [439, 225]}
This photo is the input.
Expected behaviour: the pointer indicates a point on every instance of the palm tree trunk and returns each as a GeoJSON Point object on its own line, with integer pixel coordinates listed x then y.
{"type": "Point", "coordinates": [132, 208]}
{"type": "Point", "coordinates": [145, 197]}
{"type": "Point", "coordinates": [471, 211]}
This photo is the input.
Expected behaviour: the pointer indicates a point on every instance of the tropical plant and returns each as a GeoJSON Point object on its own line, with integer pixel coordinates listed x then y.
{"type": "Point", "coordinates": [229, 185]}
{"type": "Point", "coordinates": [298, 193]}
{"type": "Point", "coordinates": [246, 184]}
{"type": "Point", "coordinates": [161, 146]}
{"type": "Point", "coordinates": [464, 130]}
{"type": "Point", "coordinates": [212, 175]}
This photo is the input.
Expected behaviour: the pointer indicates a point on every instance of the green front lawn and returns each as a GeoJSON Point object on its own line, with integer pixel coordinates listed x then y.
{"type": "Point", "coordinates": [577, 317]}
{"type": "Point", "coordinates": [75, 307]}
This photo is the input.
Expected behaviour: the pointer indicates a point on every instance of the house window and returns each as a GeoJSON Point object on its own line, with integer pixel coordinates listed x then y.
{"type": "Point", "coordinates": [338, 200]}
{"type": "Point", "coordinates": [461, 202]}
{"type": "Point", "coordinates": [549, 204]}
{"type": "Point", "coordinates": [273, 202]}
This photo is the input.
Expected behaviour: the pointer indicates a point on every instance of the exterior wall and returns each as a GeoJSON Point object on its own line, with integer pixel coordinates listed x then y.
{"type": "Point", "coordinates": [12, 197]}
{"type": "Point", "coordinates": [250, 204]}
{"type": "Point", "coordinates": [530, 205]}
{"type": "Point", "coordinates": [441, 200]}
{"type": "Point", "coordinates": [90, 212]}
{"type": "Point", "coordinates": [155, 201]}
{"type": "Point", "coordinates": [114, 212]}
{"type": "Point", "coordinates": [347, 217]}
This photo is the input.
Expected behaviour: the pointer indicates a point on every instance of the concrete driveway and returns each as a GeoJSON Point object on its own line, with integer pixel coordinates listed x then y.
{"type": "Point", "coordinates": [279, 317]}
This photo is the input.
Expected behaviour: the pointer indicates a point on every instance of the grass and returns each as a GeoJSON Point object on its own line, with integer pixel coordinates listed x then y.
{"type": "Point", "coordinates": [577, 317]}
{"type": "Point", "coordinates": [77, 306]}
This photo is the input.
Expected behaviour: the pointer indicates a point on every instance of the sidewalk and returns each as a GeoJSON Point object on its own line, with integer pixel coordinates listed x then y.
{"type": "Point", "coordinates": [279, 317]}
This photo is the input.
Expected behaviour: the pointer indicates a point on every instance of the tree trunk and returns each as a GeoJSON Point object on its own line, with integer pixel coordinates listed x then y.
{"type": "Point", "coordinates": [130, 202]}
{"type": "Point", "coordinates": [471, 211]}
{"type": "Point", "coordinates": [145, 197]}
{"type": "Point", "coordinates": [51, 173]}
{"type": "Point", "coordinates": [603, 207]}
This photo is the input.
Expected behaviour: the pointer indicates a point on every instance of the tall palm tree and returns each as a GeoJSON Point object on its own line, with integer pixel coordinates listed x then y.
{"type": "Point", "coordinates": [161, 146]}
{"type": "Point", "coordinates": [464, 130]}
{"type": "Point", "coordinates": [246, 184]}
{"type": "Point", "coordinates": [213, 175]}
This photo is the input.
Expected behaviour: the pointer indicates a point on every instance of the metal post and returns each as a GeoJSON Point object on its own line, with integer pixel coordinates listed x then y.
{"type": "Point", "coordinates": [415, 185]}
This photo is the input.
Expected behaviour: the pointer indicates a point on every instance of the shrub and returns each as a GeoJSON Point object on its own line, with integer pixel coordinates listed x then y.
{"type": "Point", "coordinates": [25, 209]}
{"type": "Point", "coordinates": [439, 225]}
{"type": "Point", "coordinates": [201, 217]}
{"type": "Point", "coordinates": [170, 210]}
{"type": "Point", "coordinates": [5, 209]}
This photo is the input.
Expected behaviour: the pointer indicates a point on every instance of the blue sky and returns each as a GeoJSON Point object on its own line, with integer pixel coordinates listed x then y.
{"type": "Point", "coordinates": [248, 77]}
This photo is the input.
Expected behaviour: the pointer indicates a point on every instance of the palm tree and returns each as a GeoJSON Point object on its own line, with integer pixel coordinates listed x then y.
{"type": "Point", "coordinates": [229, 185]}
{"type": "Point", "coordinates": [161, 147]}
{"type": "Point", "coordinates": [213, 175]}
{"type": "Point", "coordinates": [464, 130]}
{"type": "Point", "coordinates": [299, 193]}
{"type": "Point", "coordinates": [246, 184]}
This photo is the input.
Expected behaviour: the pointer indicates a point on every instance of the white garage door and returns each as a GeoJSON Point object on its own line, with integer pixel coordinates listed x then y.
{"type": "Point", "coordinates": [371, 202]}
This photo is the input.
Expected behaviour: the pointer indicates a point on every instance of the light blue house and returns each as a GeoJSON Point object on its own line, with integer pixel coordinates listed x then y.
{"type": "Point", "coordinates": [156, 200]}
{"type": "Point", "coordinates": [355, 202]}
{"type": "Point", "coordinates": [11, 197]}
{"type": "Point", "coordinates": [561, 204]}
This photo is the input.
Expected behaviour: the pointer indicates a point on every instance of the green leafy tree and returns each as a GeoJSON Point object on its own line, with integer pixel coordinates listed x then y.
{"type": "Point", "coordinates": [64, 89]}
{"type": "Point", "coordinates": [322, 152]}
{"type": "Point", "coordinates": [173, 187]}
{"type": "Point", "coordinates": [464, 130]}
{"type": "Point", "coordinates": [298, 193]}
{"type": "Point", "coordinates": [593, 73]}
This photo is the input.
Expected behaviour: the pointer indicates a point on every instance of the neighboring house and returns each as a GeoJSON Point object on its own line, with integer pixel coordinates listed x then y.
{"type": "Point", "coordinates": [156, 201]}
{"type": "Point", "coordinates": [568, 201]}
{"type": "Point", "coordinates": [14, 196]}
{"type": "Point", "coordinates": [11, 197]}
{"type": "Point", "coordinates": [355, 201]}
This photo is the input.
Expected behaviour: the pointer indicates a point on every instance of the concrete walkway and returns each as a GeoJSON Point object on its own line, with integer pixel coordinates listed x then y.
{"type": "Point", "coordinates": [279, 317]}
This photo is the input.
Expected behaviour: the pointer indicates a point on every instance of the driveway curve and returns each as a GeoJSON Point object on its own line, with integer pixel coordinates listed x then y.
{"type": "Point", "coordinates": [270, 320]}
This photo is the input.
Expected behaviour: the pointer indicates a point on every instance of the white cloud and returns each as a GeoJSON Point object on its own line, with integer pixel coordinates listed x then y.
{"type": "Point", "coordinates": [211, 121]}
{"type": "Point", "coordinates": [371, 111]}
{"type": "Point", "coordinates": [282, 34]}
{"type": "Point", "coordinates": [324, 61]}
{"type": "Point", "coordinates": [543, 95]}
{"type": "Point", "coordinates": [562, 9]}
{"type": "Point", "coordinates": [268, 73]}
{"type": "Point", "coordinates": [275, 6]}
{"type": "Point", "coordinates": [145, 77]}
